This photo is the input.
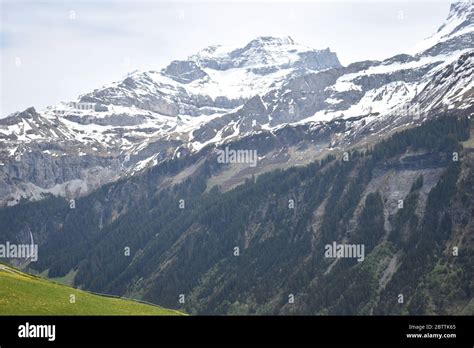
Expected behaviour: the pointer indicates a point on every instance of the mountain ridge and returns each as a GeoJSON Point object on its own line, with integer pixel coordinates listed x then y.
{"type": "Point", "coordinates": [150, 117]}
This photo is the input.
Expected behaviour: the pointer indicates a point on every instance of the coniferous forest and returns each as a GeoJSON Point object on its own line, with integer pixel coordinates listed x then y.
{"type": "Point", "coordinates": [259, 247]}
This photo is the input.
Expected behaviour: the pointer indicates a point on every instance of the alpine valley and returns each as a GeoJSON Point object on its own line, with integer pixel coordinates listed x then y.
{"type": "Point", "coordinates": [376, 153]}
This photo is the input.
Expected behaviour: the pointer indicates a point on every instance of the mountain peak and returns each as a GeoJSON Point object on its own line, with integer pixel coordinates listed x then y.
{"type": "Point", "coordinates": [461, 14]}
{"type": "Point", "coordinates": [454, 34]}
{"type": "Point", "coordinates": [461, 8]}
{"type": "Point", "coordinates": [27, 113]}
{"type": "Point", "coordinates": [265, 53]}
{"type": "Point", "coordinates": [261, 41]}
{"type": "Point", "coordinates": [272, 40]}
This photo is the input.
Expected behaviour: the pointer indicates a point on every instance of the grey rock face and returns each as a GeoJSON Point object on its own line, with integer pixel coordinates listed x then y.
{"type": "Point", "coordinates": [117, 120]}
{"type": "Point", "coordinates": [306, 95]}
{"type": "Point", "coordinates": [456, 43]}
{"type": "Point", "coordinates": [184, 71]}
{"type": "Point", "coordinates": [319, 60]}
{"type": "Point", "coordinates": [449, 86]}
{"type": "Point", "coordinates": [400, 58]}
{"type": "Point", "coordinates": [36, 174]}
{"type": "Point", "coordinates": [47, 171]}
{"type": "Point", "coordinates": [407, 75]}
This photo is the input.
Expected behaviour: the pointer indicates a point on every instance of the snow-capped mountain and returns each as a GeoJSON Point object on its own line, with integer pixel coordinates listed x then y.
{"type": "Point", "coordinates": [222, 94]}
{"type": "Point", "coordinates": [144, 119]}
{"type": "Point", "coordinates": [216, 79]}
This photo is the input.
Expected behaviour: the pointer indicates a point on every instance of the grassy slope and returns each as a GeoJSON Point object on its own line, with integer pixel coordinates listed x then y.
{"type": "Point", "coordinates": [23, 294]}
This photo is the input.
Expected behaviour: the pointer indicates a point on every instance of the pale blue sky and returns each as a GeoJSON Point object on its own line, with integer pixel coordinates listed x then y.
{"type": "Point", "coordinates": [66, 48]}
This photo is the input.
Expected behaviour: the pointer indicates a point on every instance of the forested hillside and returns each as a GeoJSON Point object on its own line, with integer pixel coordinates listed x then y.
{"type": "Point", "coordinates": [260, 247]}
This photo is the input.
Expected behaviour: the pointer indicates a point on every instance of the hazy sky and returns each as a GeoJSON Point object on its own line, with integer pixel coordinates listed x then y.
{"type": "Point", "coordinates": [55, 50]}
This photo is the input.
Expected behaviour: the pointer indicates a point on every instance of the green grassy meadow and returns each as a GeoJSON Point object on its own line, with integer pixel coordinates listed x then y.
{"type": "Point", "coordinates": [24, 294]}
